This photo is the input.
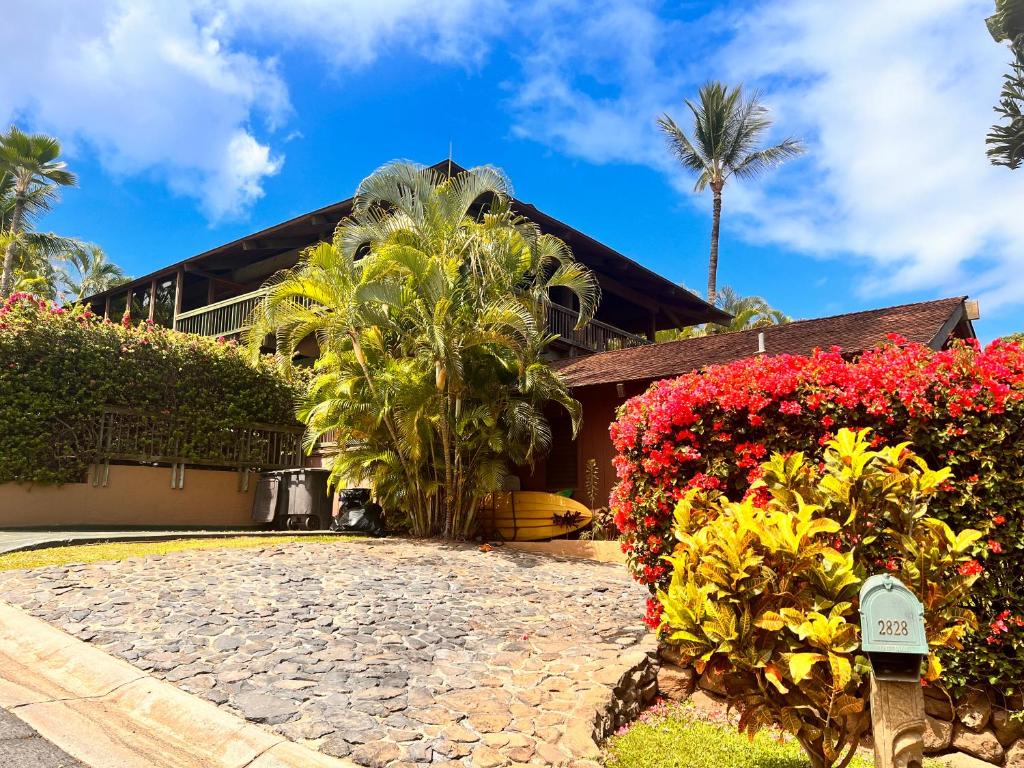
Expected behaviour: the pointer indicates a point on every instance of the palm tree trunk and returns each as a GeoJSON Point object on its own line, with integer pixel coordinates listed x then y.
{"type": "Point", "coordinates": [17, 222]}
{"type": "Point", "coordinates": [716, 218]}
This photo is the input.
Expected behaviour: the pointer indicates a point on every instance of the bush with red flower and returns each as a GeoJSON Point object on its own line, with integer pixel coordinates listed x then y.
{"type": "Point", "coordinates": [962, 408]}
{"type": "Point", "coordinates": [59, 368]}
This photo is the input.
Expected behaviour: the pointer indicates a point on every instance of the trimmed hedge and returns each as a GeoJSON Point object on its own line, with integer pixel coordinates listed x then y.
{"type": "Point", "coordinates": [60, 368]}
{"type": "Point", "coordinates": [962, 408]}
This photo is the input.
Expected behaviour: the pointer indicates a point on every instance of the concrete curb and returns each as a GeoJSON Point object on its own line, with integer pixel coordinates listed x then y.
{"type": "Point", "coordinates": [72, 538]}
{"type": "Point", "coordinates": [109, 714]}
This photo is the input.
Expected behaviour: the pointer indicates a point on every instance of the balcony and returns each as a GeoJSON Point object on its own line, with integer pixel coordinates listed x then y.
{"type": "Point", "coordinates": [231, 316]}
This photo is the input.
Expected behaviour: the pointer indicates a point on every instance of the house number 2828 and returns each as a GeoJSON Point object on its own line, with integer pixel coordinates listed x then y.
{"type": "Point", "coordinates": [893, 628]}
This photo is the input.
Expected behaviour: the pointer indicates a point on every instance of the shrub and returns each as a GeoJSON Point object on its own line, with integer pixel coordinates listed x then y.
{"type": "Point", "coordinates": [763, 591]}
{"type": "Point", "coordinates": [60, 368]}
{"type": "Point", "coordinates": [960, 408]}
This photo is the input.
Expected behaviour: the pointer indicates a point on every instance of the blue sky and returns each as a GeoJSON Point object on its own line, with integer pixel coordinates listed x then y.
{"type": "Point", "coordinates": [193, 122]}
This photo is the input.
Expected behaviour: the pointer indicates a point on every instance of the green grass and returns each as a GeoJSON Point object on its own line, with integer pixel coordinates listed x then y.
{"type": "Point", "coordinates": [120, 550]}
{"type": "Point", "coordinates": [677, 738]}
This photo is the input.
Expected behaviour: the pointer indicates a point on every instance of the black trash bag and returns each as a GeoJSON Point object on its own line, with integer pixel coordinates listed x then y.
{"type": "Point", "coordinates": [357, 514]}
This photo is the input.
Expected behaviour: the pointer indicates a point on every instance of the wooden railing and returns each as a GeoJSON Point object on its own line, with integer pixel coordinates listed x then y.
{"type": "Point", "coordinates": [156, 438]}
{"type": "Point", "coordinates": [595, 336]}
{"type": "Point", "coordinates": [223, 318]}
{"type": "Point", "coordinates": [231, 316]}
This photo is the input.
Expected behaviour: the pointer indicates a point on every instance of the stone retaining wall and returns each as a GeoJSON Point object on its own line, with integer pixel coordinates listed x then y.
{"type": "Point", "coordinates": [970, 725]}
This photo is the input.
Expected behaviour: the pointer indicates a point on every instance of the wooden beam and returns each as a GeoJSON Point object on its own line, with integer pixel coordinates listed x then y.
{"type": "Point", "coordinates": [274, 243]}
{"type": "Point", "coordinates": [152, 300]}
{"type": "Point", "coordinates": [179, 289]}
{"type": "Point", "coordinates": [193, 270]}
{"type": "Point", "coordinates": [614, 286]}
{"type": "Point", "coordinates": [106, 308]}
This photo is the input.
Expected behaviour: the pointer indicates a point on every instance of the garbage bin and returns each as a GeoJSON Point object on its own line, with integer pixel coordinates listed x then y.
{"type": "Point", "coordinates": [293, 499]}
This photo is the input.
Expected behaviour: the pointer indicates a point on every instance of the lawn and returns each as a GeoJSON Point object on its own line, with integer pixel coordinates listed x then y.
{"type": "Point", "coordinates": [120, 550]}
{"type": "Point", "coordinates": [676, 737]}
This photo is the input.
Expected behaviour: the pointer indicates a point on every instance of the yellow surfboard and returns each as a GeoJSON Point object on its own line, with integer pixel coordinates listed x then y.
{"type": "Point", "coordinates": [532, 515]}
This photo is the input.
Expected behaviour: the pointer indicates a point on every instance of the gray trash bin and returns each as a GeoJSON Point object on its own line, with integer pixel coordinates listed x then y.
{"type": "Point", "coordinates": [294, 499]}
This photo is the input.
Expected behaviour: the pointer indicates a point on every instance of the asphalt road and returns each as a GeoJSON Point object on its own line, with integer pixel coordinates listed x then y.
{"type": "Point", "coordinates": [22, 747]}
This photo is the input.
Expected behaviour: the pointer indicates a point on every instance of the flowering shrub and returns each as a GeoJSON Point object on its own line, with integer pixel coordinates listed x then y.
{"type": "Point", "coordinates": [762, 595]}
{"type": "Point", "coordinates": [59, 368]}
{"type": "Point", "coordinates": [962, 408]}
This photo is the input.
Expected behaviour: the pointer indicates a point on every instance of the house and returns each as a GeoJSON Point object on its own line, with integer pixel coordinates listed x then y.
{"type": "Point", "coordinates": [602, 382]}
{"type": "Point", "coordinates": [213, 293]}
{"type": "Point", "coordinates": [612, 358]}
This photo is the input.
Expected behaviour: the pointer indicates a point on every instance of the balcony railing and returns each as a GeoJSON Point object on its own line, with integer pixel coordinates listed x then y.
{"type": "Point", "coordinates": [231, 316]}
{"type": "Point", "coordinates": [223, 318]}
{"type": "Point", "coordinates": [595, 336]}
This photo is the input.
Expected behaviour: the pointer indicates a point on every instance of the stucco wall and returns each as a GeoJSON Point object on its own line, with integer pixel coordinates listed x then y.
{"type": "Point", "coordinates": [133, 496]}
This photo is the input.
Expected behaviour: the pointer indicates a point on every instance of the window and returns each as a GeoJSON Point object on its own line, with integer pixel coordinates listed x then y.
{"type": "Point", "coordinates": [140, 303]}
{"type": "Point", "coordinates": [117, 305]}
{"type": "Point", "coordinates": [164, 314]}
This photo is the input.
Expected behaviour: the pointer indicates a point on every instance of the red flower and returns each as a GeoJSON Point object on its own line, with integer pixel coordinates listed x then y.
{"type": "Point", "coordinates": [970, 568]}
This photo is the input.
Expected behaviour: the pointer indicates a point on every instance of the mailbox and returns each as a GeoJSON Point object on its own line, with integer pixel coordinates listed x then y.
{"type": "Point", "coordinates": [892, 629]}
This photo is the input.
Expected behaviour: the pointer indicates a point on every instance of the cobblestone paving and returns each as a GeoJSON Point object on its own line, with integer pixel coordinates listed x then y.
{"type": "Point", "coordinates": [391, 653]}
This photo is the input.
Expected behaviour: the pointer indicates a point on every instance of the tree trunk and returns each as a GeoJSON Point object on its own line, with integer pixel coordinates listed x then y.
{"type": "Point", "coordinates": [716, 218]}
{"type": "Point", "coordinates": [17, 221]}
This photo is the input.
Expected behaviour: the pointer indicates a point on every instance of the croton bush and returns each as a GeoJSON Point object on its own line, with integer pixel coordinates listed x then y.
{"type": "Point", "coordinates": [962, 408]}
{"type": "Point", "coordinates": [59, 369]}
{"type": "Point", "coordinates": [763, 592]}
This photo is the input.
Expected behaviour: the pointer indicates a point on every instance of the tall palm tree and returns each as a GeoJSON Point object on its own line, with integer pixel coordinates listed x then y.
{"type": "Point", "coordinates": [93, 272]}
{"type": "Point", "coordinates": [727, 130]}
{"type": "Point", "coordinates": [429, 308]}
{"type": "Point", "coordinates": [30, 163]}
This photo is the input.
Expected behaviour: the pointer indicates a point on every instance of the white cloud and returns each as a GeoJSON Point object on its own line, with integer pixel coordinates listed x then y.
{"type": "Point", "coordinates": [894, 100]}
{"type": "Point", "coordinates": [171, 88]}
{"type": "Point", "coordinates": [150, 87]}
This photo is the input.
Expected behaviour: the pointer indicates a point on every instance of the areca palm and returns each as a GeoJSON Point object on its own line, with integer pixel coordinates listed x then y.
{"type": "Point", "coordinates": [429, 309]}
{"type": "Point", "coordinates": [92, 272]}
{"type": "Point", "coordinates": [32, 172]}
{"type": "Point", "coordinates": [725, 142]}
{"type": "Point", "coordinates": [747, 312]}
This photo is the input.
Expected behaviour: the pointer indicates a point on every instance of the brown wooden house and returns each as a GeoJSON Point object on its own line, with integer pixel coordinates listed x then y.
{"type": "Point", "coordinates": [213, 293]}
{"type": "Point", "coordinates": [602, 382]}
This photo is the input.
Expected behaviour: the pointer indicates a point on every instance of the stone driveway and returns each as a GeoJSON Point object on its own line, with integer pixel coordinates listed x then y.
{"type": "Point", "coordinates": [392, 653]}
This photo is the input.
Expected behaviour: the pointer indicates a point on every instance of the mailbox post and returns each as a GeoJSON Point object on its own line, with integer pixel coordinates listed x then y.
{"type": "Point", "coordinates": [893, 637]}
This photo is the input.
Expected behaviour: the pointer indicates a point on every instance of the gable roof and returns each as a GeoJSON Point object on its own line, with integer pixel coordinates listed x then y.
{"type": "Point", "coordinates": [929, 322]}
{"type": "Point", "coordinates": [675, 305]}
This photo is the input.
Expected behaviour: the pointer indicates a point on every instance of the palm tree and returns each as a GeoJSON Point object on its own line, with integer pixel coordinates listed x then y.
{"type": "Point", "coordinates": [30, 167]}
{"type": "Point", "coordinates": [1006, 140]}
{"type": "Point", "coordinates": [429, 308]}
{"type": "Point", "coordinates": [93, 273]}
{"type": "Point", "coordinates": [727, 130]}
{"type": "Point", "coordinates": [747, 312]}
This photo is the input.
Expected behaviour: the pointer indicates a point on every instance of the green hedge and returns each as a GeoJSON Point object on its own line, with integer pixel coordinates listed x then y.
{"type": "Point", "coordinates": [60, 368]}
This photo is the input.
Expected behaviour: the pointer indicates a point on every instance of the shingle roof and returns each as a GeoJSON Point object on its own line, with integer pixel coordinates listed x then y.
{"type": "Point", "coordinates": [929, 322]}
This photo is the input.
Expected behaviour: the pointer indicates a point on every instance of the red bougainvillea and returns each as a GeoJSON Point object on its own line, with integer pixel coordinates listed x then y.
{"type": "Point", "coordinates": [962, 408]}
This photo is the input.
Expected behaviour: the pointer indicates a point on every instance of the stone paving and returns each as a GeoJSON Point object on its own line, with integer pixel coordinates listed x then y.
{"type": "Point", "coordinates": [391, 653]}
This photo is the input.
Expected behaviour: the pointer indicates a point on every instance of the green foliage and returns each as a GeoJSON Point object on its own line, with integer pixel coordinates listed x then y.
{"type": "Point", "coordinates": [1006, 140]}
{"type": "Point", "coordinates": [429, 308]}
{"type": "Point", "coordinates": [747, 312]}
{"type": "Point", "coordinates": [763, 591]}
{"type": "Point", "coordinates": [59, 369]}
{"type": "Point", "coordinates": [675, 737]}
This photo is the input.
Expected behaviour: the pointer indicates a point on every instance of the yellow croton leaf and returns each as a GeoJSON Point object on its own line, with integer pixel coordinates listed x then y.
{"type": "Point", "coordinates": [842, 670]}
{"type": "Point", "coordinates": [774, 676]}
{"type": "Point", "coordinates": [800, 665]}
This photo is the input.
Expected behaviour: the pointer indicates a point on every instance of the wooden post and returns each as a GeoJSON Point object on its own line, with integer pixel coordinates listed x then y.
{"type": "Point", "coordinates": [652, 332]}
{"type": "Point", "coordinates": [897, 723]}
{"type": "Point", "coordinates": [152, 300]}
{"type": "Point", "coordinates": [210, 293]}
{"type": "Point", "coordinates": [179, 289]}
{"type": "Point", "coordinates": [106, 308]}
